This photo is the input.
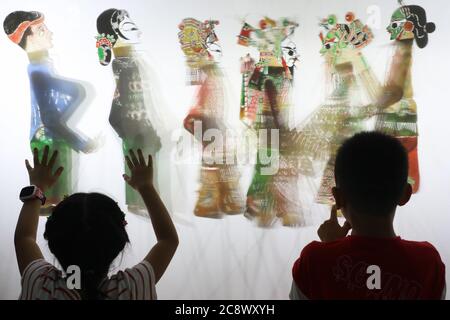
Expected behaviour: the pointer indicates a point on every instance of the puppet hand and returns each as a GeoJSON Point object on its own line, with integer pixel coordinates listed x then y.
{"type": "Point", "coordinates": [141, 173]}
{"type": "Point", "coordinates": [42, 174]}
{"type": "Point", "coordinates": [93, 145]}
{"type": "Point", "coordinates": [331, 230]}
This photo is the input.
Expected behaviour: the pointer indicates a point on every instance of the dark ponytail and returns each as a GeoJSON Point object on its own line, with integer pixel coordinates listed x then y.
{"type": "Point", "coordinates": [87, 230]}
{"type": "Point", "coordinates": [422, 28]}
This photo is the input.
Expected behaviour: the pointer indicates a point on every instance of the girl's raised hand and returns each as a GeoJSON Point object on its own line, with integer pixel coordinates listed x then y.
{"type": "Point", "coordinates": [42, 174]}
{"type": "Point", "coordinates": [141, 172]}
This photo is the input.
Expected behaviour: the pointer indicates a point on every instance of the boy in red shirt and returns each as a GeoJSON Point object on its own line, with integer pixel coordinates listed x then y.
{"type": "Point", "coordinates": [371, 173]}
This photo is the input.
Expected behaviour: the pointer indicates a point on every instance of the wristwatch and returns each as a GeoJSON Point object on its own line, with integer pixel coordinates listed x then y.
{"type": "Point", "coordinates": [32, 192]}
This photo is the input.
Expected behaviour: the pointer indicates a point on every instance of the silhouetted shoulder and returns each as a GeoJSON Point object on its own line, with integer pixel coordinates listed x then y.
{"type": "Point", "coordinates": [315, 248]}
{"type": "Point", "coordinates": [311, 248]}
{"type": "Point", "coordinates": [421, 249]}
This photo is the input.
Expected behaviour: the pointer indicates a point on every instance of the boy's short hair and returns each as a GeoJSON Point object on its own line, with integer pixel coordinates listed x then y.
{"type": "Point", "coordinates": [371, 169]}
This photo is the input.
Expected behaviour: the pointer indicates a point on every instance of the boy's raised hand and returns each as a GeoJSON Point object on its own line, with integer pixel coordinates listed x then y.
{"type": "Point", "coordinates": [141, 172]}
{"type": "Point", "coordinates": [42, 174]}
{"type": "Point", "coordinates": [331, 230]}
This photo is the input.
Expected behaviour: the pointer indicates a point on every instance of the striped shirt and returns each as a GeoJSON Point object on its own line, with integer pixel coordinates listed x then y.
{"type": "Point", "coordinates": [43, 281]}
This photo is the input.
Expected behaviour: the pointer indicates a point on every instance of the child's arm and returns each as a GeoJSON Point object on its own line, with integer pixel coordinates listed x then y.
{"type": "Point", "coordinates": [142, 180]}
{"type": "Point", "coordinates": [43, 177]}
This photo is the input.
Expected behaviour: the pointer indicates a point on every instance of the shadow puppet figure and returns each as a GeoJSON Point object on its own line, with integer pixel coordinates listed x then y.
{"type": "Point", "coordinates": [408, 23]}
{"type": "Point", "coordinates": [351, 94]}
{"type": "Point", "coordinates": [219, 191]}
{"type": "Point", "coordinates": [54, 99]}
{"type": "Point", "coordinates": [133, 112]}
{"type": "Point", "coordinates": [266, 104]}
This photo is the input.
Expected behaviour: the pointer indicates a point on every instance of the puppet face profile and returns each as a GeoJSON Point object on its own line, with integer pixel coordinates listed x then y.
{"type": "Point", "coordinates": [212, 41]}
{"type": "Point", "coordinates": [290, 54]}
{"type": "Point", "coordinates": [127, 29]}
{"type": "Point", "coordinates": [410, 22]}
{"type": "Point", "coordinates": [115, 29]}
{"type": "Point", "coordinates": [400, 28]}
{"type": "Point", "coordinates": [288, 47]}
{"type": "Point", "coordinates": [41, 38]}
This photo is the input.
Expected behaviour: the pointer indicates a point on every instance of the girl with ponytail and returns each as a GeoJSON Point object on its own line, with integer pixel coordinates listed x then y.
{"type": "Point", "coordinates": [87, 232]}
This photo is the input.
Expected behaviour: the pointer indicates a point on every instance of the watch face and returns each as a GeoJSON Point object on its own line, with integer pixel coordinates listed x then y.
{"type": "Point", "coordinates": [27, 192]}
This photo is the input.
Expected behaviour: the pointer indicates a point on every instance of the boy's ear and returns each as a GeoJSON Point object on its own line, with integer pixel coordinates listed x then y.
{"type": "Point", "coordinates": [406, 195]}
{"type": "Point", "coordinates": [338, 198]}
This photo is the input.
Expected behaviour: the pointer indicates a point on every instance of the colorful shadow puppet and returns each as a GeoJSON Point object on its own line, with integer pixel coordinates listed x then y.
{"type": "Point", "coordinates": [352, 93]}
{"type": "Point", "coordinates": [408, 24]}
{"type": "Point", "coordinates": [265, 107]}
{"type": "Point", "coordinates": [133, 112]}
{"type": "Point", "coordinates": [219, 178]}
{"type": "Point", "coordinates": [54, 99]}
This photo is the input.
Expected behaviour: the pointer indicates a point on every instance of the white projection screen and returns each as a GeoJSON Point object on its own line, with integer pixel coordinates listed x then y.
{"type": "Point", "coordinates": [229, 258]}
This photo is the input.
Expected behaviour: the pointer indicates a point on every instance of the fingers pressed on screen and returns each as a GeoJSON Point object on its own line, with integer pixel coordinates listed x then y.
{"type": "Point", "coordinates": [45, 156]}
{"type": "Point", "coordinates": [129, 163]}
{"type": "Point", "coordinates": [141, 157]}
{"type": "Point", "coordinates": [134, 158]}
{"type": "Point", "coordinates": [27, 164]}
{"type": "Point", "coordinates": [35, 156]}
{"type": "Point", "coordinates": [52, 161]}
